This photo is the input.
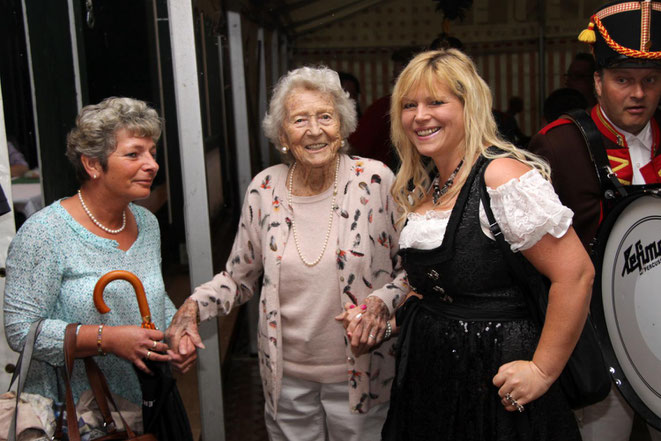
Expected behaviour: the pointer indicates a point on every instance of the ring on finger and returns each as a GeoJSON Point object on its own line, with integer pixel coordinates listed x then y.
{"type": "Point", "coordinates": [153, 345]}
{"type": "Point", "coordinates": [514, 403]}
{"type": "Point", "coordinates": [372, 336]}
{"type": "Point", "coordinates": [148, 355]}
{"type": "Point", "coordinates": [359, 315]}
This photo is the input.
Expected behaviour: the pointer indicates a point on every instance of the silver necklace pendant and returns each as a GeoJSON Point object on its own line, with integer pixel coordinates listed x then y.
{"type": "Point", "coordinates": [438, 191]}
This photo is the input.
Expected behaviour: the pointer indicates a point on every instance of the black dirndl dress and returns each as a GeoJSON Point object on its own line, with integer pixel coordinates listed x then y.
{"type": "Point", "coordinates": [472, 319]}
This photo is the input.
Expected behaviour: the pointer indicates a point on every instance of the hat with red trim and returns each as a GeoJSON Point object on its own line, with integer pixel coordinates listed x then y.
{"type": "Point", "coordinates": [625, 34]}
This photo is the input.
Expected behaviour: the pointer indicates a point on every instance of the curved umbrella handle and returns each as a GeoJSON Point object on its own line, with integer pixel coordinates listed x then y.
{"type": "Point", "coordinates": [139, 293]}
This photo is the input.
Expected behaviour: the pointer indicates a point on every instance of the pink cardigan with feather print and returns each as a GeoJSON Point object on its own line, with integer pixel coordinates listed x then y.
{"type": "Point", "coordinates": [367, 264]}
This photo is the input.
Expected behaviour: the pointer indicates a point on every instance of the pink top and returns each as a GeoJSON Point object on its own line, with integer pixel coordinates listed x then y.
{"type": "Point", "coordinates": [366, 264]}
{"type": "Point", "coordinates": [312, 340]}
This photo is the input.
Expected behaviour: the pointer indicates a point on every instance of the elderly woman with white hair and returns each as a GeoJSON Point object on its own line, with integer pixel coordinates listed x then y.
{"type": "Point", "coordinates": [60, 252]}
{"type": "Point", "coordinates": [319, 232]}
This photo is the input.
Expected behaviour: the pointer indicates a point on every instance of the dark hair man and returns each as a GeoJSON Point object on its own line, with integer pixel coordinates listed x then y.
{"type": "Point", "coordinates": [580, 76]}
{"type": "Point", "coordinates": [626, 45]}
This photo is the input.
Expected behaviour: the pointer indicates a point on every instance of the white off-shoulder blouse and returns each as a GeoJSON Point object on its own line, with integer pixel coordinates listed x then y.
{"type": "Point", "coordinates": [526, 209]}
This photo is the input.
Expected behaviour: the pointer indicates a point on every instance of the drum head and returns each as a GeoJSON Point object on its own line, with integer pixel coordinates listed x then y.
{"type": "Point", "coordinates": [626, 301]}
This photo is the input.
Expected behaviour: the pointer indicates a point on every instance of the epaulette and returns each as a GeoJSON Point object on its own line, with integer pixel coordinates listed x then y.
{"type": "Point", "coordinates": [556, 123]}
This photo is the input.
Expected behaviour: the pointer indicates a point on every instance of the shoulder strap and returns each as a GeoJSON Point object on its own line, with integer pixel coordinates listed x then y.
{"type": "Point", "coordinates": [97, 383]}
{"type": "Point", "coordinates": [611, 187]}
{"type": "Point", "coordinates": [515, 265]}
{"type": "Point", "coordinates": [21, 372]}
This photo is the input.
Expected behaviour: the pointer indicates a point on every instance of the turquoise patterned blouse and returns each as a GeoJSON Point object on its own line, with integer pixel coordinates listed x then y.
{"type": "Point", "coordinates": [52, 267]}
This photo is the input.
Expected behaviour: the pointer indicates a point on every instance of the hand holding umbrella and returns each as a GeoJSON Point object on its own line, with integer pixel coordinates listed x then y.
{"type": "Point", "coordinates": [162, 408]}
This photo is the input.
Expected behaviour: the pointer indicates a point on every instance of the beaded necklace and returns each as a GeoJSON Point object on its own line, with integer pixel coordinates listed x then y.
{"type": "Point", "coordinates": [438, 191]}
{"type": "Point", "coordinates": [330, 217]}
{"type": "Point", "coordinates": [97, 223]}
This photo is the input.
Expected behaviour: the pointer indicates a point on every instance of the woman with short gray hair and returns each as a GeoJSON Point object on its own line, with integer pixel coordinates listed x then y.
{"type": "Point", "coordinates": [320, 229]}
{"type": "Point", "coordinates": [60, 252]}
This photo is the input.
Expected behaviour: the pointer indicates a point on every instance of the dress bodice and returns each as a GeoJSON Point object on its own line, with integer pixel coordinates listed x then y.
{"type": "Point", "coordinates": [473, 275]}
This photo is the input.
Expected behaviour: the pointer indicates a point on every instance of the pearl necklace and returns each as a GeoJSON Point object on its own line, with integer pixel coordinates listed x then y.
{"type": "Point", "coordinates": [438, 192]}
{"type": "Point", "coordinates": [97, 223]}
{"type": "Point", "coordinates": [330, 217]}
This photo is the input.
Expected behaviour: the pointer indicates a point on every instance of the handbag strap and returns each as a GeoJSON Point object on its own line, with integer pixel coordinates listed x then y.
{"type": "Point", "coordinates": [21, 372]}
{"type": "Point", "coordinates": [515, 265]}
{"type": "Point", "coordinates": [98, 384]}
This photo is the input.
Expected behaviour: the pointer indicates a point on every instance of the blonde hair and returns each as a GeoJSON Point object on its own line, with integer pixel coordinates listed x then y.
{"type": "Point", "coordinates": [455, 70]}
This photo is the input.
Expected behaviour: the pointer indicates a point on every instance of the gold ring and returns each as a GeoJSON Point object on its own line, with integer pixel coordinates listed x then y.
{"type": "Point", "coordinates": [372, 336]}
{"type": "Point", "coordinates": [148, 355]}
{"type": "Point", "coordinates": [153, 346]}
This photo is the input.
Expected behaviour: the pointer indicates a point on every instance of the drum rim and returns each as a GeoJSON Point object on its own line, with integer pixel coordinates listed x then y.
{"type": "Point", "coordinates": [597, 309]}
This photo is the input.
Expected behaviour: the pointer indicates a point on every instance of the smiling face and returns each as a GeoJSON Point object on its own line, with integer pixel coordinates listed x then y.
{"type": "Point", "coordinates": [629, 97]}
{"type": "Point", "coordinates": [434, 121]}
{"type": "Point", "coordinates": [131, 167]}
{"type": "Point", "coordinates": [311, 129]}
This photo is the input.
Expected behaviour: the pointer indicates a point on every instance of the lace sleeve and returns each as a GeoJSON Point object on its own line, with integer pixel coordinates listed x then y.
{"type": "Point", "coordinates": [526, 209]}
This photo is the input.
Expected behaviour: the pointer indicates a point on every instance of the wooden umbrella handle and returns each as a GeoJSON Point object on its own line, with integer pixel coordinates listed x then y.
{"type": "Point", "coordinates": [139, 293]}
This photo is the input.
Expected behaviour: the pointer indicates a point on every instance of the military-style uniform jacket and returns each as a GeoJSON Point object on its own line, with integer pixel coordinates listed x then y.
{"type": "Point", "coordinates": [573, 174]}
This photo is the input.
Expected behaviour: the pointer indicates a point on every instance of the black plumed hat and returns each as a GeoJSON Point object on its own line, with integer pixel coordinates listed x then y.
{"type": "Point", "coordinates": [626, 34]}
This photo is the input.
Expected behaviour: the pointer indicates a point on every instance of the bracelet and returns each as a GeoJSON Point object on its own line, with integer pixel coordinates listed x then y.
{"type": "Point", "coordinates": [98, 341]}
{"type": "Point", "coordinates": [388, 333]}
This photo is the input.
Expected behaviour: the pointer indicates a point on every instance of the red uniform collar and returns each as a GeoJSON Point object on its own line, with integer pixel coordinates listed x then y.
{"type": "Point", "coordinates": [610, 132]}
{"type": "Point", "coordinates": [606, 128]}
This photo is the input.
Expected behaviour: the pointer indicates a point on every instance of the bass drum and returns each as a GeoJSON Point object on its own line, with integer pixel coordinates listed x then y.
{"type": "Point", "coordinates": [626, 300]}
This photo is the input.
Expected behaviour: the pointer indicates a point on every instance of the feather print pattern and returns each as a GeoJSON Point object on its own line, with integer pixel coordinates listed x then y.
{"type": "Point", "coordinates": [362, 266]}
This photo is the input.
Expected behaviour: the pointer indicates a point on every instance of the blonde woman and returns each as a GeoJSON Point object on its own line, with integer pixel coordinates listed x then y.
{"type": "Point", "coordinates": [472, 365]}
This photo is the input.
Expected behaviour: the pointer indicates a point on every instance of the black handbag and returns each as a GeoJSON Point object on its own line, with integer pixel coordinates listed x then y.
{"type": "Point", "coordinates": [585, 380]}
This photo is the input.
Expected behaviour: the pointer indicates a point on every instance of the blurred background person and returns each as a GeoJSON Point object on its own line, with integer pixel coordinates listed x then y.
{"type": "Point", "coordinates": [560, 101]}
{"type": "Point", "coordinates": [351, 84]}
{"type": "Point", "coordinates": [579, 76]}
{"type": "Point", "coordinates": [372, 136]}
{"type": "Point", "coordinates": [18, 166]}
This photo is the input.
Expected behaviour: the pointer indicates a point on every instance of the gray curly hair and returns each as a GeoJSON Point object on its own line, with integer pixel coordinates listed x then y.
{"type": "Point", "coordinates": [97, 125]}
{"type": "Point", "coordinates": [321, 79]}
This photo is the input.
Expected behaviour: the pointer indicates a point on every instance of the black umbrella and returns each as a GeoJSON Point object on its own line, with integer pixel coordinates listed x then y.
{"type": "Point", "coordinates": [163, 412]}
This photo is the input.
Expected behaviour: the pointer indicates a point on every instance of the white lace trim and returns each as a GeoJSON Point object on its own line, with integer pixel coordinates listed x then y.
{"type": "Point", "coordinates": [526, 209]}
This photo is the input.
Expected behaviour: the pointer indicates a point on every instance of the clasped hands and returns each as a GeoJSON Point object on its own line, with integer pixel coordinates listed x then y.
{"type": "Point", "coordinates": [183, 337]}
{"type": "Point", "coordinates": [365, 324]}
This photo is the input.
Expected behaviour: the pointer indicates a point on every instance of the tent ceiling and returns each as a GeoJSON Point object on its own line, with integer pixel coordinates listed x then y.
{"type": "Point", "coordinates": [300, 17]}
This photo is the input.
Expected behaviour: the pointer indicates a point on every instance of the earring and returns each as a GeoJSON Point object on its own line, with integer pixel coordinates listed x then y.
{"type": "Point", "coordinates": [94, 176]}
{"type": "Point", "coordinates": [284, 149]}
{"type": "Point", "coordinates": [342, 143]}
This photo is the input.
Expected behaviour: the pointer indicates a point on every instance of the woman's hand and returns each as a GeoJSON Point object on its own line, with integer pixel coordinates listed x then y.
{"type": "Point", "coordinates": [520, 383]}
{"type": "Point", "coordinates": [185, 358]}
{"type": "Point", "coordinates": [134, 344]}
{"type": "Point", "coordinates": [365, 325]}
{"type": "Point", "coordinates": [183, 336]}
